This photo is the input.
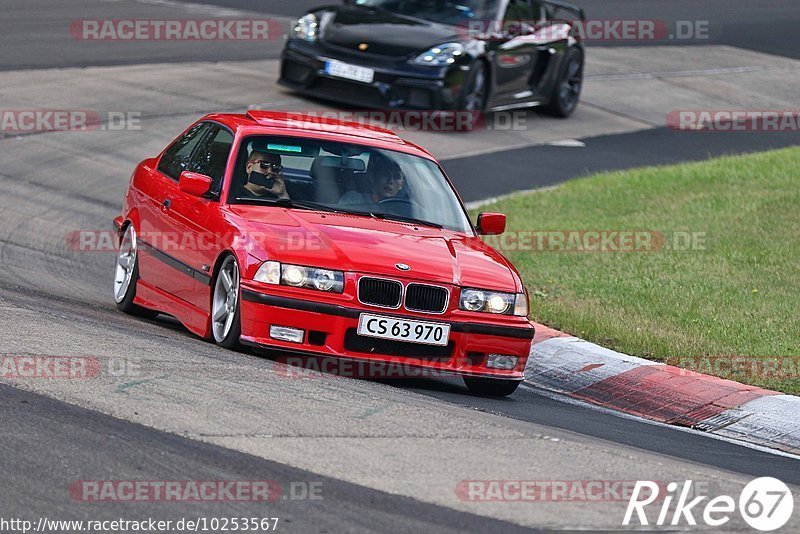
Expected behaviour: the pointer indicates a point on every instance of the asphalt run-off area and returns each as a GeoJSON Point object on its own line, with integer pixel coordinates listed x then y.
{"type": "Point", "coordinates": [344, 454]}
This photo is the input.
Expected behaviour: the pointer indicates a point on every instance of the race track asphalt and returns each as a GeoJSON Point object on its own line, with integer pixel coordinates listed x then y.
{"type": "Point", "coordinates": [544, 165]}
{"type": "Point", "coordinates": [64, 444]}
{"type": "Point", "coordinates": [389, 453]}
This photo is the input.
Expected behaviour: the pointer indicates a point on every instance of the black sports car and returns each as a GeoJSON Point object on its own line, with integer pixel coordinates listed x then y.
{"type": "Point", "coordinates": [471, 55]}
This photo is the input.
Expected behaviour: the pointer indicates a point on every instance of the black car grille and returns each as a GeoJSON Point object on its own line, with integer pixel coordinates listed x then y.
{"type": "Point", "coordinates": [424, 298]}
{"type": "Point", "coordinates": [350, 91]}
{"type": "Point", "coordinates": [369, 345]}
{"type": "Point", "coordinates": [379, 292]}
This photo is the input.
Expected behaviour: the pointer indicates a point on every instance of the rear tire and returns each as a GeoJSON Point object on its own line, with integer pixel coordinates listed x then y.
{"type": "Point", "coordinates": [126, 276]}
{"type": "Point", "coordinates": [567, 91]}
{"type": "Point", "coordinates": [491, 387]}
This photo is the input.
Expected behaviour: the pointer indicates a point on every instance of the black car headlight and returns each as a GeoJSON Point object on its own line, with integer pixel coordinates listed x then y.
{"type": "Point", "coordinates": [440, 56]}
{"type": "Point", "coordinates": [273, 272]}
{"type": "Point", "coordinates": [479, 300]}
{"type": "Point", "coordinates": [306, 28]}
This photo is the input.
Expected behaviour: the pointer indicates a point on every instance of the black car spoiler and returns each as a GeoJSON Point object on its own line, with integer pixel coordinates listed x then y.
{"type": "Point", "coordinates": [566, 6]}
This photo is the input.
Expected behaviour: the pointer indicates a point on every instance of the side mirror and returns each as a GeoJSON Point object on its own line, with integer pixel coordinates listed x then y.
{"type": "Point", "coordinates": [491, 223]}
{"type": "Point", "coordinates": [194, 183]}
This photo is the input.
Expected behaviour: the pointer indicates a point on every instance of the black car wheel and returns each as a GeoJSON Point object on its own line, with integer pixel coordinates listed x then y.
{"type": "Point", "coordinates": [490, 387]}
{"type": "Point", "coordinates": [475, 89]}
{"type": "Point", "coordinates": [567, 91]}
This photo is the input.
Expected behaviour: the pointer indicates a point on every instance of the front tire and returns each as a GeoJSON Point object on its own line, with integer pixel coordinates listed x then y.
{"type": "Point", "coordinates": [474, 93]}
{"type": "Point", "coordinates": [490, 387]}
{"type": "Point", "coordinates": [226, 325]}
{"type": "Point", "coordinates": [567, 92]}
{"type": "Point", "coordinates": [126, 276]}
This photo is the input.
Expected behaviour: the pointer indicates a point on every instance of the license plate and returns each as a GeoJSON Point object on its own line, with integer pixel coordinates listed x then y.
{"type": "Point", "coordinates": [404, 330]}
{"type": "Point", "coordinates": [349, 72]}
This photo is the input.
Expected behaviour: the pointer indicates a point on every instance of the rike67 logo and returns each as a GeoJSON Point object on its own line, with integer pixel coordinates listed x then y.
{"type": "Point", "coordinates": [765, 504]}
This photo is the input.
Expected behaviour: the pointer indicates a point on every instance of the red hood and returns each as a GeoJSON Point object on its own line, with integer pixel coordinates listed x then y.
{"type": "Point", "coordinates": [360, 244]}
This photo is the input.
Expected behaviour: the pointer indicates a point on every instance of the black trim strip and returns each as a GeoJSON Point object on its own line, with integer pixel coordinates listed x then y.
{"type": "Point", "coordinates": [312, 354]}
{"type": "Point", "coordinates": [342, 311]}
{"type": "Point", "coordinates": [175, 263]}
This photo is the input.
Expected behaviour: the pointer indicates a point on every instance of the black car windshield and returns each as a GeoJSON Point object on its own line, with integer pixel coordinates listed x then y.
{"type": "Point", "coordinates": [330, 176]}
{"type": "Point", "coordinates": [448, 12]}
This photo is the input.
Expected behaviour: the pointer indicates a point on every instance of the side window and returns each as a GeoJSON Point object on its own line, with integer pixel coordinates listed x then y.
{"type": "Point", "coordinates": [176, 159]}
{"type": "Point", "coordinates": [211, 156]}
{"type": "Point", "coordinates": [521, 11]}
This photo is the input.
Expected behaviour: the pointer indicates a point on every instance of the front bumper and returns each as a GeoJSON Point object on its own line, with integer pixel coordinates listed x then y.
{"type": "Point", "coordinates": [397, 84]}
{"type": "Point", "coordinates": [330, 330]}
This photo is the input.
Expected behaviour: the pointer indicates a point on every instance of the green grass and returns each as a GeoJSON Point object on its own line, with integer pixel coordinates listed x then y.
{"type": "Point", "coordinates": [739, 296]}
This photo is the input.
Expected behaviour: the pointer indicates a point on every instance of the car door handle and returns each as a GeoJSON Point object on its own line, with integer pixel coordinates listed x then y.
{"type": "Point", "coordinates": [166, 204]}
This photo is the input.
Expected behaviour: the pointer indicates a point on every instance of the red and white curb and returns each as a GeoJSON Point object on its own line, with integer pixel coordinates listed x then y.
{"type": "Point", "coordinates": [663, 393]}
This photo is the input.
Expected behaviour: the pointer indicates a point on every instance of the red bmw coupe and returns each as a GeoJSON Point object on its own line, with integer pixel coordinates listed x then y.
{"type": "Point", "coordinates": [324, 238]}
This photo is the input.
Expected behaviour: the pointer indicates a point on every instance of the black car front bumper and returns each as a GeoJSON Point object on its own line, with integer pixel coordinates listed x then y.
{"type": "Point", "coordinates": [397, 84]}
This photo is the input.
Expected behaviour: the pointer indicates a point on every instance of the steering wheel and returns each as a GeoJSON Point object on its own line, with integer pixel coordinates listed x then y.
{"type": "Point", "coordinates": [399, 205]}
{"type": "Point", "coordinates": [399, 200]}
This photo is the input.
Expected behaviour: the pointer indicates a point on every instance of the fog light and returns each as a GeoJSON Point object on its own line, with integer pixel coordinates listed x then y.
{"type": "Point", "coordinates": [501, 361]}
{"type": "Point", "coordinates": [284, 333]}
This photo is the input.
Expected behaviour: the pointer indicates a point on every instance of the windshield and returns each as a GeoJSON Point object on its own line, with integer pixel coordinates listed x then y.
{"type": "Point", "coordinates": [324, 175]}
{"type": "Point", "coordinates": [448, 12]}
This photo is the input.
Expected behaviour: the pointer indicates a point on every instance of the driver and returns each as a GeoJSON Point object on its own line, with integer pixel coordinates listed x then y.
{"type": "Point", "coordinates": [387, 182]}
{"type": "Point", "coordinates": [264, 176]}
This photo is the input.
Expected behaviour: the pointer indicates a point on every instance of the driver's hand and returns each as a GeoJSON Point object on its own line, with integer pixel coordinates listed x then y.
{"type": "Point", "coordinates": [258, 190]}
{"type": "Point", "coordinates": [279, 186]}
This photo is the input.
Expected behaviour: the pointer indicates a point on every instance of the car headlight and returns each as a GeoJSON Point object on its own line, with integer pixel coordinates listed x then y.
{"type": "Point", "coordinates": [273, 272]}
{"type": "Point", "coordinates": [306, 28]}
{"type": "Point", "coordinates": [440, 56]}
{"type": "Point", "coordinates": [269, 273]}
{"type": "Point", "coordinates": [479, 300]}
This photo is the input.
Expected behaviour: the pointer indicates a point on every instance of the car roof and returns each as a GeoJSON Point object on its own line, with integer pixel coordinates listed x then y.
{"type": "Point", "coordinates": [320, 126]}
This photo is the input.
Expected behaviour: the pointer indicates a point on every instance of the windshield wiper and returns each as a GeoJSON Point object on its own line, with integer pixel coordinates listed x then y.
{"type": "Point", "coordinates": [289, 203]}
{"type": "Point", "coordinates": [400, 218]}
{"type": "Point", "coordinates": [302, 204]}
